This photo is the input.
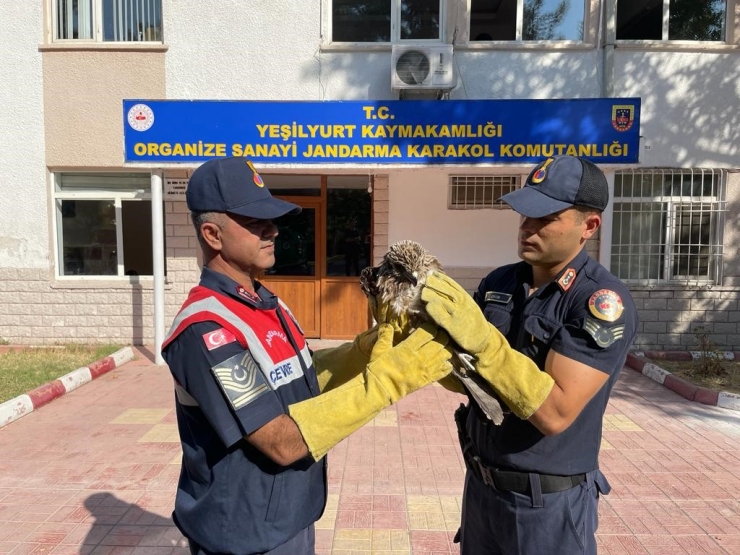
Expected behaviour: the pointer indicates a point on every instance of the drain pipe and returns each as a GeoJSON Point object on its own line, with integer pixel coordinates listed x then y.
{"type": "Point", "coordinates": [607, 30]}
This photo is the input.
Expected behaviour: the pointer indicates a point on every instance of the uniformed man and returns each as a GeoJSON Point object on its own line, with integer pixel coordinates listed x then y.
{"type": "Point", "coordinates": [533, 482]}
{"type": "Point", "coordinates": [256, 411]}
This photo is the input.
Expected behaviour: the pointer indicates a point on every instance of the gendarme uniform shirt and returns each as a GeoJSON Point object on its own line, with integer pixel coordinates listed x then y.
{"type": "Point", "coordinates": [586, 314]}
{"type": "Point", "coordinates": [239, 360]}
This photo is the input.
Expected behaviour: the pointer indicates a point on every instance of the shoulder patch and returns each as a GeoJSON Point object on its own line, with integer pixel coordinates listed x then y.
{"type": "Point", "coordinates": [603, 335]}
{"type": "Point", "coordinates": [240, 379]}
{"type": "Point", "coordinates": [496, 297]}
{"type": "Point", "coordinates": [567, 279]}
{"type": "Point", "coordinates": [218, 338]}
{"type": "Point", "coordinates": [606, 305]}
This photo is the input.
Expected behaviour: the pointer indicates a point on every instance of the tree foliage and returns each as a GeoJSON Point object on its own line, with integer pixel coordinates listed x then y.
{"type": "Point", "coordinates": [540, 24]}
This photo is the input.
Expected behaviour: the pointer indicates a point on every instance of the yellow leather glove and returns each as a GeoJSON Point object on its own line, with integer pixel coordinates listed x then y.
{"type": "Point", "coordinates": [338, 365]}
{"type": "Point", "coordinates": [383, 312]}
{"type": "Point", "coordinates": [514, 376]}
{"type": "Point", "coordinates": [392, 373]}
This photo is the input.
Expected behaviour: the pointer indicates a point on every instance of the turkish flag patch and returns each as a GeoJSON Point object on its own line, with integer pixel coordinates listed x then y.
{"type": "Point", "coordinates": [218, 338]}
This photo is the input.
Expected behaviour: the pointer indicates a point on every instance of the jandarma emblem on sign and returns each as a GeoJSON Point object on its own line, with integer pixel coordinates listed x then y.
{"type": "Point", "coordinates": [623, 116]}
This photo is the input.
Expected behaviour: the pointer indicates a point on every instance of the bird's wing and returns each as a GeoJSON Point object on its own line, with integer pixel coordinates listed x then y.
{"type": "Point", "coordinates": [478, 388]}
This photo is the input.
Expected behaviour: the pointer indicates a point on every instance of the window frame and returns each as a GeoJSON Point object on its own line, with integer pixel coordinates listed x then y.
{"type": "Point", "coordinates": [671, 205]}
{"type": "Point", "coordinates": [664, 40]}
{"type": "Point", "coordinates": [117, 197]}
{"type": "Point", "coordinates": [587, 38]}
{"type": "Point", "coordinates": [97, 38]}
{"type": "Point", "coordinates": [395, 31]}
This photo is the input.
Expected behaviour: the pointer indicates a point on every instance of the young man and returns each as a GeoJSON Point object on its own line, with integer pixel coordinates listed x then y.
{"type": "Point", "coordinates": [256, 411]}
{"type": "Point", "coordinates": [533, 483]}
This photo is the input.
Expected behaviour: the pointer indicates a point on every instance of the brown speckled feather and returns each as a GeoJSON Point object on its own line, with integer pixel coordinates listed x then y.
{"type": "Point", "coordinates": [397, 282]}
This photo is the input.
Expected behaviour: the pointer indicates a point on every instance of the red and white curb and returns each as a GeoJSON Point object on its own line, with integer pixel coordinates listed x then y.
{"type": "Point", "coordinates": [643, 362]}
{"type": "Point", "coordinates": [23, 404]}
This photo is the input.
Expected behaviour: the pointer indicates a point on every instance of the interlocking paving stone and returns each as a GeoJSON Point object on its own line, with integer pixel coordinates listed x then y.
{"type": "Point", "coordinates": [95, 472]}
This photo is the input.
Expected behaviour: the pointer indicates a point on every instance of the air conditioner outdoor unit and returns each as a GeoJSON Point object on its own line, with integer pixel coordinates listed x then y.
{"type": "Point", "coordinates": [422, 67]}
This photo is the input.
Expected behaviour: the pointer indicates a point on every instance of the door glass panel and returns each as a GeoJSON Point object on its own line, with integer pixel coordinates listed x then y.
{"type": "Point", "coordinates": [347, 225]}
{"type": "Point", "coordinates": [295, 245]}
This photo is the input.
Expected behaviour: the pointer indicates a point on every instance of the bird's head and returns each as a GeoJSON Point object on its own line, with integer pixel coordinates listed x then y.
{"type": "Point", "coordinates": [394, 286]}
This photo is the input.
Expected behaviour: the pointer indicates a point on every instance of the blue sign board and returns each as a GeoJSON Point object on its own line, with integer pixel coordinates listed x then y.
{"type": "Point", "coordinates": [605, 130]}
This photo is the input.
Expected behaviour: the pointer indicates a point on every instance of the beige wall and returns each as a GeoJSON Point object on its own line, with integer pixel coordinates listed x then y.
{"type": "Point", "coordinates": [83, 109]}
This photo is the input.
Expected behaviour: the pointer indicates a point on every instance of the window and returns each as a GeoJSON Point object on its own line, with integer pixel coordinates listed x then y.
{"type": "Point", "coordinates": [103, 224]}
{"type": "Point", "coordinates": [668, 226]}
{"type": "Point", "coordinates": [527, 20]}
{"type": "Point", "coordinates": [681, 20]}
{"type": "Point", "coordinates": [471, 192]}
{"type": "Point", "coordinates": [108, 20]}
{"type": "Point", "coordinates": [386, 20]}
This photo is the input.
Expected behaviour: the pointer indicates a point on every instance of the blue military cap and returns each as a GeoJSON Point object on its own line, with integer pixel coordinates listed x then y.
{"type": "Point", "coordinates": [558, 183]}
{"type": "Point", "coordinates": [233, 185]}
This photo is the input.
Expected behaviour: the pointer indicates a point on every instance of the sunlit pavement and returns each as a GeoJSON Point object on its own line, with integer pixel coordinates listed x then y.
{"type": "Point", "coordinates": [95, 471]}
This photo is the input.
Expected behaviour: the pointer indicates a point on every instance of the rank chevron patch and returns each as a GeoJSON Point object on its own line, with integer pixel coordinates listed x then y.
{"type": "Point", "coordinates": [603, 335]}
{"type": "Point", "coordinates": [240, 379]}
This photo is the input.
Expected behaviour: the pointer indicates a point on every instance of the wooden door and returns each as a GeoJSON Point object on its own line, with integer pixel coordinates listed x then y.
{"type": "Point", "coordinates": [319, 254]}
{"type": "Point", "coordinates": [296, 278]}
{"type": "Point", "coordinates": [348, 246]}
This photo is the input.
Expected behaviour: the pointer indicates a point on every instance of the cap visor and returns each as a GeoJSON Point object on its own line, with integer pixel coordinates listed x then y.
{"type": "Point", "coordinates": [266, 209]}
{"type": "Point", "coordinates": [529, 202]}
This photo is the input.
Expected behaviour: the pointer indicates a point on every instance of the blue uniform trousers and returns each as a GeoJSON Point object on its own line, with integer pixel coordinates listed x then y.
{"type": "Point", "coordinates": [303, 543]}
{"type": "Point", "coordinates": [510, 523]}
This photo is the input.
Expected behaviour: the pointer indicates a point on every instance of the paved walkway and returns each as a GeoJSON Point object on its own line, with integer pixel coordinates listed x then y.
{"type": "Point", "coordinates": [95, 471]}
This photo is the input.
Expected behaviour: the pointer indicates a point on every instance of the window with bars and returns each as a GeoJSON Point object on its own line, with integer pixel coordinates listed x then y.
{"type": "Point", "coordinates": [668, 226]}
{"type": "Point", "coordinates": [107, 20]}
{"type": "Point", "coordinates": [472, 192]}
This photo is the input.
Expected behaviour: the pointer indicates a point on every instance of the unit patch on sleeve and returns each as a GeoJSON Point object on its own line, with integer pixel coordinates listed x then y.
{"type": "Point", "coordinates": [240, 379]}
{"type": "Point", "coordinates": [604, 336]}
{"type": "Point", "coordinates": [606, 305]}
{"type": "Point", "coordinates": [496, 297]}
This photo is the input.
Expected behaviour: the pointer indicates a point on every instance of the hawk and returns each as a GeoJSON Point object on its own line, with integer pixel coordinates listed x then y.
{"type": "Point", "coordinates": [397, 282]}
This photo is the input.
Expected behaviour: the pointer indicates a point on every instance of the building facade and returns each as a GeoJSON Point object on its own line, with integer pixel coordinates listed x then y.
{"type": "Point", "coordinates": [79, 248]}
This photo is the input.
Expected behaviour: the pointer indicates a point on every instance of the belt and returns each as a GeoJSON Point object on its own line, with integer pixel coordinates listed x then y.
{"type": "Point", "coordinates": [511, 480]}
